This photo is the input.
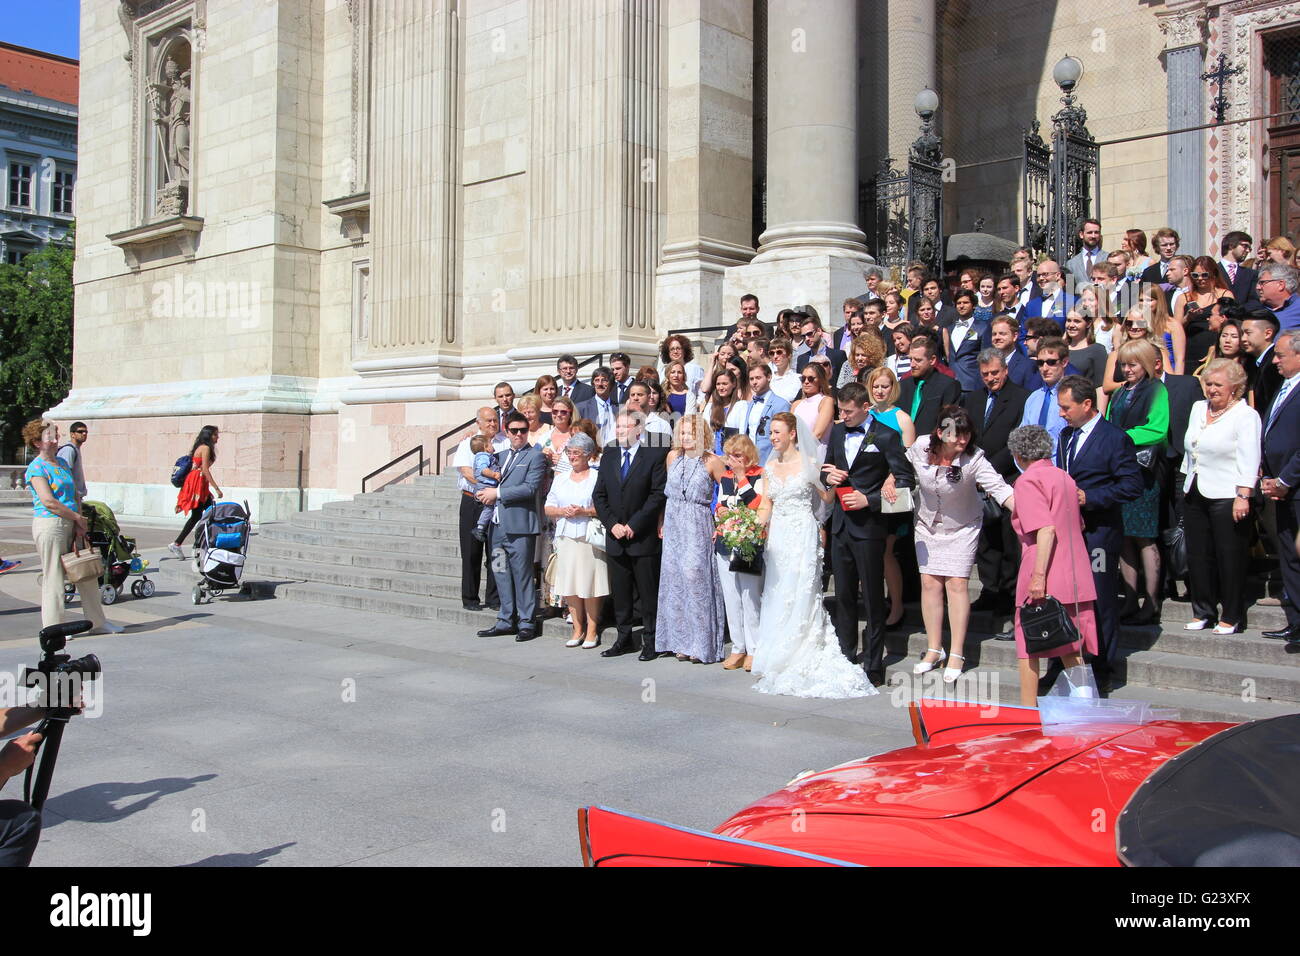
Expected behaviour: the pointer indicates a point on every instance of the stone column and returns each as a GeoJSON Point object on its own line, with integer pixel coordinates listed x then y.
{"type": "Point", "coordinates": [912, 45]}
{"type": "Point", "coordinates": [413, 179]}
{"type": "Point", "coordinates": [706, 118]}
{"type": "Point", "coordinates": [812, 251]}
{"type": "Point", "coordinates": [812, 98]}
{"type": "Point", "coordinates": [1184, 28]}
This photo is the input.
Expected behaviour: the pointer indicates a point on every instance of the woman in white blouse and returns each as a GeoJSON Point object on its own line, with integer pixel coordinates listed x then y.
{"type": "Point", "coordinates": [1221, 462]}
{"type": "Point", "coordinates": [581, 574]}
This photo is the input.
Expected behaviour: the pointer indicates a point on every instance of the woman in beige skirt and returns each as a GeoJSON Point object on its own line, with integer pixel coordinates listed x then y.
{"type": "Point", "coordinates": [580, 571]}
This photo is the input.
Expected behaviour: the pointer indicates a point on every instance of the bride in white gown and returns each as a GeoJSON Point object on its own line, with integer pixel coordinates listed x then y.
{"type": "Point", "coordinates": [798, 653]}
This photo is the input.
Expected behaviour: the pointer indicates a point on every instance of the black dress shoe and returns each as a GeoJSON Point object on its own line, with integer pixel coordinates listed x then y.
{"type": "Point", "coordinates": [877, 679]}
{"type": "Point", "coordinates": [496, 630]}
{"type": "Point", "coordinates": [619, 648]}
{"type": "Point", "coordinates": [525, 635]}
{"type": "Point", "coordinates": [471, 605]}
{"type": "Point", "coordinates": [648, 652]}
{"type": "Point", "coordinates": [1283, 634]}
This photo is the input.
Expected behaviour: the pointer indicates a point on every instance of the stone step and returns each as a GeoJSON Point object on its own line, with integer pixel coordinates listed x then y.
{"type": "Point", "coordinates": [360, 578]}
{"type": "Point", "coordinates": [423, 544]}
{"type": "Point", "coordinates": [407, 511]}
{"type": "Point", "coordinates": [318, 521]}
{"type": "Point", "coordinates": [385, 602]}
{"type": "Point", "coordinates": [443, 565]}
{"type": "Point", "coordinates": [1276, 680]}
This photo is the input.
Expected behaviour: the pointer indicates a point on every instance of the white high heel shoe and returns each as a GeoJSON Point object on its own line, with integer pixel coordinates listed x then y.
{"type": "Point", "coordinates": [926, 666]}
{"type": "Point", "coordinates": [950, 674]}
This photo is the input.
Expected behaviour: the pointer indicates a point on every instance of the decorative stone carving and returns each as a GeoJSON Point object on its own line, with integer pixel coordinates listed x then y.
{"type": "Point", "coordinates": [170, 105]}
{"type": "Point", "coordinates": [1183, 26]}
{"type": "Point", "coordinates": [354, 211]}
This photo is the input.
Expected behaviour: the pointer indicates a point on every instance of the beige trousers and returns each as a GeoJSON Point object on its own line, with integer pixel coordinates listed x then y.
{"type": "Point", "coordinates": [53, 537]}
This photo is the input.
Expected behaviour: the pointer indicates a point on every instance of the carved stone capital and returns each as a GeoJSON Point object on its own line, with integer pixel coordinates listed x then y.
{"type": "Point", "coordinates": [354, 211]}
{"type": "Point", "coordinates": [1184, 25]}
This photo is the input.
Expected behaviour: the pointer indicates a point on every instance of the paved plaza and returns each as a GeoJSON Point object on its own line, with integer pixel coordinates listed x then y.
{"type": "Point", "coordinates": [248, 732]}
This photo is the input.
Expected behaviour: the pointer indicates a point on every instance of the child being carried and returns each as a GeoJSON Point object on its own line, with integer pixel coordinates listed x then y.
{"type": "Point", "coordinates": [486, 475]}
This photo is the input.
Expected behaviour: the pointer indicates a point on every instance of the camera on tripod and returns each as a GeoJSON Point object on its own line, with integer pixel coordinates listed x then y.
{"type": "Point", "coordinates": [59, 678]}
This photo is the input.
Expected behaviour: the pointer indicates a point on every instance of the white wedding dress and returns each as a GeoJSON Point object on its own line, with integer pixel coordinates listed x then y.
{"type": "Point", "coordinates": [798, 653]}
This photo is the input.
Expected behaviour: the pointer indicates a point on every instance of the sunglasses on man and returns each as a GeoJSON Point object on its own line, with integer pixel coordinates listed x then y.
{"type": "Point", "coordinates": [518, 431]}
{"type": "Point", "coordinates": [1053, 362]}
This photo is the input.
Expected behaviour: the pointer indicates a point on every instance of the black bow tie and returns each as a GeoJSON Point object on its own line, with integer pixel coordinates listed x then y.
{"type": "Point", "coordinates": [859, 430]}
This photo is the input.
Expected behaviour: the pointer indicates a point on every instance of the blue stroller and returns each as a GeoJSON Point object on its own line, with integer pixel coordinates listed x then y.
{"type": "Point", "coordinates": [221, 545]}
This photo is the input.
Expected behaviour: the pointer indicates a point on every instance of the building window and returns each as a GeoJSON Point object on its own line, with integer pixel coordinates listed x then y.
{"type": "Point", "coordinates": [20, 185]}
{"type": "Point", "coordinates": [61, 198]}
{"type": "Point", "coordinates": [15, 254]}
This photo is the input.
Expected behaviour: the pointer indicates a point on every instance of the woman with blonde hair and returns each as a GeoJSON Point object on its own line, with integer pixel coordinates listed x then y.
{"type": "Point", "coordinates": [740, 485]}
{"type": "Point", "coordinates": [530, 406]}
{"type": "Point", "coordinates": [882, 391]}
{"type": "Point", "coordinates": [692, 616]}
{"type": "Point", "coordinates": [1278, 249]}
{"type": "Point", "coordinates": [1166, 334]}
{"type": "Point", "coordinates": [681, 400]}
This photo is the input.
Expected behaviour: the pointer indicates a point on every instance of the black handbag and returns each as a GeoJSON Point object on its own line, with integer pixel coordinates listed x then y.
{"type": "Point", "coordinates": [1046, 626]}
{"type": "Point", "coordinates": [1175, 541]}
{"type": "Point", "coordinates": [992, 510]}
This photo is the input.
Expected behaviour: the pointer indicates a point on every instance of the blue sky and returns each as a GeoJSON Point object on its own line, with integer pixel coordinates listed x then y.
{"type": "Point", "coordinates": [48, 25]}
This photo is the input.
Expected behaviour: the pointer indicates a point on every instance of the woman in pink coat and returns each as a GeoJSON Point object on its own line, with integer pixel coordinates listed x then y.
{"type": "Point", "coordinates": [1054, 559]}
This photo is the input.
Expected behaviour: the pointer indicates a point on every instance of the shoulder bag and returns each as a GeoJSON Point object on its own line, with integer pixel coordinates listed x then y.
{"type": "Point", "coordinates": [79, 565]}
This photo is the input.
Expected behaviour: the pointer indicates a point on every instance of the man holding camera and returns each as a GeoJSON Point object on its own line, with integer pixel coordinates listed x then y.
{"type": "Point", "coordinates": [20, 824]}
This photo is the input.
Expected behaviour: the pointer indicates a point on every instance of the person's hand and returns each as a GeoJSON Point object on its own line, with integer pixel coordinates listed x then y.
{"type": "Point", "coordinates": [1083, 498]}
{"type": "Point", "coordinates": [854, 501]}
{"type": "Point", "coordinates": [80, 522]}
{"type": "Point", "coordinates": [488, 496]}
{"type": "Point", "coordinates": [834, 476]}
{"type": "Point", "coordinates": [889, 490]}
{"type": "Point", "coordinates": [18, 755]}
{"type": "Point", "coordinates": [571, 511]}
{"type": "Point", "coordinates": [1240, 509]}
{"type": "Point", "coordinates": [621, 531]}
{"type": "Point", "coordinates": [1037, 586]}
{"type": "Point", "coordinates": [220, 493]}
{"type": "Point", "coordinates": [661, 532]}
{"type": "Point", "coordinates": [737, 465]}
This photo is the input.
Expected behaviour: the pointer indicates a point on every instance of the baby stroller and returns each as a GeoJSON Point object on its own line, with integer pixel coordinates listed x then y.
{"type": "Point", "coordinates": [221, 544]}
{"type": "Point", "coordinates": [118, 554]}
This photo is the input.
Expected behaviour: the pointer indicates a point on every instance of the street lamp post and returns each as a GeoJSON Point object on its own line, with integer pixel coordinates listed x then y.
{"type": "Point", "coordinates": [1076, 164]}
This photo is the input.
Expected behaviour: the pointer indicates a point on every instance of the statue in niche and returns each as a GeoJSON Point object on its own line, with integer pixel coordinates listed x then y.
{"type": "Point", "coordinates": [170, 103]}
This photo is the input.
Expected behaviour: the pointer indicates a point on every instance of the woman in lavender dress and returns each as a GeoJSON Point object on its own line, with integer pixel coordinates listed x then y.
{"type": "Point", "coordinates": [692, 614]}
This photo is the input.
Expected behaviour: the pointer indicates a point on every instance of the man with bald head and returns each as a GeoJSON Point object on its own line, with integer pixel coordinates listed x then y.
{"type": "Point", "coordinates": [1052, 300]}
{"type": "Point", "coordinates": [474, 557]}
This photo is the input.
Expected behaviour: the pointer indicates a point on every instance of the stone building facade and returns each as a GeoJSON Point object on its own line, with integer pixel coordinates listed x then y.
{"type": "Point", "coordinates": [331, 226]}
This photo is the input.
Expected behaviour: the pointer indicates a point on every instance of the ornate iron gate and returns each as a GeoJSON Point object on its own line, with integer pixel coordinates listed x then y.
{"type": "Point", "coordinates": [1036, 186]}
{"type": "Point", "coordinates": [1076, 177]}
{"type": "Point", "coordinates": [909, 210]}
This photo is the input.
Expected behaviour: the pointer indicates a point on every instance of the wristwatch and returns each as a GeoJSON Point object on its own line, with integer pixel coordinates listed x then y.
{"type": "Point", "coordinates": [1243, 497]}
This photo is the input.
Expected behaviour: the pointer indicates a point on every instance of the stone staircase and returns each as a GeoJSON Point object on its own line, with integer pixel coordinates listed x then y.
{"type": "Point", "coordinates": [396, 551]}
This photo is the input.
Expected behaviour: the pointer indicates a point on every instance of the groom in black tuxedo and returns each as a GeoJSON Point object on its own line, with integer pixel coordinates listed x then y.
{"type": "Point", "coordinates": [862, 454]}
{"type": "Point", "coordinates": [629, 497]}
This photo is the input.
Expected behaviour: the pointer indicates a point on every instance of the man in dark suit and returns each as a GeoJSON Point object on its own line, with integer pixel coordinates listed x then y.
{"type": "Point", "coordinates": [1233, 251]}
{"type": "Point", "coordinates": [1102, 460]}
{"type": "Point", "coordinates": [620, 364]}
{"type": "Point", "coordinates": [1258, 330]}
{"type": "Point", "coordinates": [1007, 297]}
{"type": "Point", "coordinates": [1166, 242]}
{"type": "Point", "coordinates": [504, 395]}
{"type": "Point", "coordinates": [924, 390]}
{"type": "Point", "coordinates": [863, 455]}
{"type": "Point", "coordinates": [629, 497]}
{"type": "Point", "coordinates": [967, 337]}
{"type": "Point", "coordinates": [817, 342]}
{"type": "Point", "coordinates": [568, 385]}
{"type": "Point", "coordinates": [995, 410]}
{"type": "Point", "coordinates": [601, 407]}
{"type": "Point", "coordinates": [1184, 392]}
{"type": "Point", "coordinates": [1281, 469]}
{"type": "Point", "coordinates": [514, 532]}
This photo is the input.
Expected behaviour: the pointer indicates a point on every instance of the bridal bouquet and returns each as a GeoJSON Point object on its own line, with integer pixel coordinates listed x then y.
{"type": "Point", "coordinates": [743, 536]}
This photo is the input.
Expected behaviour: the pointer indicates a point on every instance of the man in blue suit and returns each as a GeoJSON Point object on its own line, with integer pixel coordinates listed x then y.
{"type": "Point", "coordinates": [967, 337]}
{"type": "Point", "coordinates": [1052, 301]}
{"type": "Point", "coordinates": [1281, 469]}
{"type": "Point", "coordinates": [763, 404]}
{"type": "Point", "coordinates": [514, 531]}
{"type": "Point", "coordinates": [1102, 461]}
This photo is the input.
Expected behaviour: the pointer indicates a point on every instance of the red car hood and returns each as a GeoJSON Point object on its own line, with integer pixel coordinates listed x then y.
{"type": "Point", "coordinates": [929, 782]}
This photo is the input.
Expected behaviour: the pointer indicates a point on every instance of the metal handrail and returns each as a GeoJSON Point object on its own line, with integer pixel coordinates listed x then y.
{"type": "Point", "coordinates": [418, 449]}
{"type": "Point", "coordinates": [598, 358]}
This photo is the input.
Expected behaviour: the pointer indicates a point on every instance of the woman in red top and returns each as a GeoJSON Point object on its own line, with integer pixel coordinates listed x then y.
{"type": "Point", "coordinates": [196, 493]}
{"type": "Point", "coordinates": [741, 484]}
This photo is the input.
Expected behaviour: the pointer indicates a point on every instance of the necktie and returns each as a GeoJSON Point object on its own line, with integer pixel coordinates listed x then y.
{"type": "Point", "coordinates": [1069, 449]}
{"type": "Point", "coordinates": [627, 463]}
{"type": "Point", "coordinates": [1042, 412]}
{"type": "Point", "coordinates": [761, 400]}
{"type": "Point", "coordinates": [510, 463]}
{"type": "Point", "coordinates": [988, 408]}
{"type": "Point", "coordinates": [1089, 259]}
{"type": "Point", "coordinates": [916, 398]}
{"type": "Point", "coordinates": [1232, 272]}
{"type": "Point", "coordinates": [1277, 402]}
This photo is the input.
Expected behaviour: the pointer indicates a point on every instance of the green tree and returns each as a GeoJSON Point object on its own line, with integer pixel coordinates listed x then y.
{"type": "Point", "coordinates": [35, 339]}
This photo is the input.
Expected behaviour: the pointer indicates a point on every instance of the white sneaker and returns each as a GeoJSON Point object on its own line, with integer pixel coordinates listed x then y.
{"type": "Point", "coordinates": [108, 627]}
{"type": "Point", "coordinates": [175, 549]}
